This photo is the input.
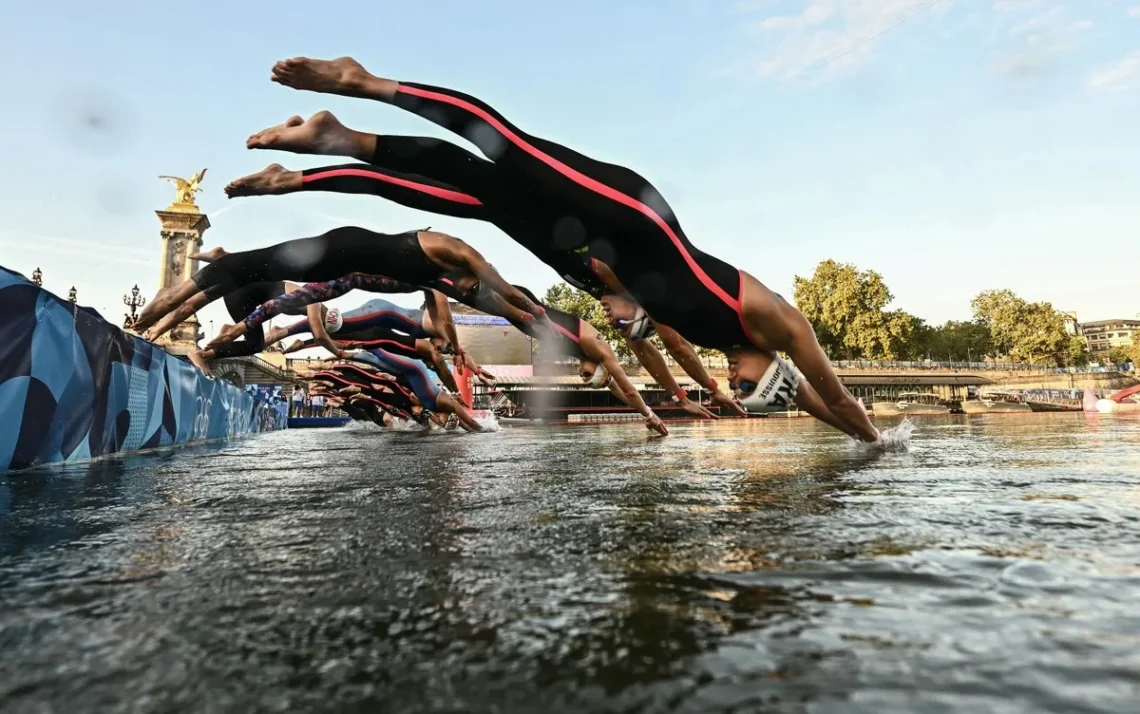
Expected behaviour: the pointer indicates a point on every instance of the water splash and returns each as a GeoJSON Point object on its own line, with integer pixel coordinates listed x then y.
{"type": "Point", "coordinates": [896, 438]}
{"type": "Point", "coordinates": [487, 421]}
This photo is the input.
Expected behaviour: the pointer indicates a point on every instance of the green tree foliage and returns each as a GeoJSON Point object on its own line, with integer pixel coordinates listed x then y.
{"type": "Point", "coordinates": [961, 341]}
{"type": "Point", "coordinates": [1025, 331]}
{"type": "Point", "coordinates": [1134, 355]}
{"type": "Point", "coordinates": [846, 305]}
{"type": "Point", "coordinates": [562, 297]}
{"type": "Point", "coordinates": [1118, 355]}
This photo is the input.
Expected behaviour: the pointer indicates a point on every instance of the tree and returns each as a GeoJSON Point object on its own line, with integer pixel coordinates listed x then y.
{"type": "Point", "coordinates": [1118, 355]}
{"type": "Point", "coordinates": [1025, 331]}
{"type": "Point", "coordinates": [1134, 355]}
{"type": "Point", "coordinates": [846, 305]}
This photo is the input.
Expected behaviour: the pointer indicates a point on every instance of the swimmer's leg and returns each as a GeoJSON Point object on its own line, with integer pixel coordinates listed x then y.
{"type": "Point", "coordinates": [411, 190]}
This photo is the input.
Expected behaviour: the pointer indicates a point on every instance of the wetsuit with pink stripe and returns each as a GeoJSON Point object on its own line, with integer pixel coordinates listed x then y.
{"type": "Point", "coordinates": [407, 170]}
{"type": "Point", "coordinates": [390, 395]}
{"type": "Point", "coordinates": [573, 205]}
{"type": "Point", "coordinates": [410, 370]}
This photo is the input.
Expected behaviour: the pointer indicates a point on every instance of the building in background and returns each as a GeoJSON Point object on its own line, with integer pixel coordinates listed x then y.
{"type": "Point", "coordinates": [488, 339]}
{"type": "Point", "coordinates": [1103, 335]}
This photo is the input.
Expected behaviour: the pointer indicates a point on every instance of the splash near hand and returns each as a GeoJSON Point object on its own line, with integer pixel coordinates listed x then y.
{"type": "Point", "coordinates": [897, 438]}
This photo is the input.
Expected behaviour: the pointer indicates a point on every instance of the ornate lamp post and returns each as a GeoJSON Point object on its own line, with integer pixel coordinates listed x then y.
{"type": "Point", "coordinates": [38, 277]}
{"type": "Point", "coordinates": [133, 301]}
{"type": "Point", "coordinates": [72, 295]}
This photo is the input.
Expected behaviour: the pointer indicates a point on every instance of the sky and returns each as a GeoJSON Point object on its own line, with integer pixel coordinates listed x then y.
{"type": "Point", "coordinates": [951, 145]}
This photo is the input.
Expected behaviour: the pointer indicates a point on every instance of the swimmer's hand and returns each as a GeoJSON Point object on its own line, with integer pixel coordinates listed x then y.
{"type": "Point", "coordinates": [726, 400]}
{"type": "Point", "coordinates": [654, 423]}
{"type": "Point", "coordinates": [696, 409]}
{"type": "Point", "coordinates": [229, 333]}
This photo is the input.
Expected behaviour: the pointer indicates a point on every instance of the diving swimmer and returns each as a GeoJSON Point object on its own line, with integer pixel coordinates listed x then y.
{"type": "Point", "coordinates": [620, 224]}
{"type": "Point", "coordinates": [415, 258]}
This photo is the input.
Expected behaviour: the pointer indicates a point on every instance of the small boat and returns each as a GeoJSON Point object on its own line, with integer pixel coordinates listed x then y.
{"type": "Point", "coordinates": [911, 403]}
{"type": "Point", "coordinates": [995, 403]}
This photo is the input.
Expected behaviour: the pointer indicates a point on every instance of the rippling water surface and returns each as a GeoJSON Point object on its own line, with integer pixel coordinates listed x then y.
{"type": "Point", "coordinates": [767, 565]}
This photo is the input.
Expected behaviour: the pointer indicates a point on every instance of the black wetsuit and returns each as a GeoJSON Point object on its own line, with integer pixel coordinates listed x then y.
{"type": "Point", "coordinates": [240, 303]}
{"type": "Point", "coordinates": [567, 209]}
{"type": "Point", "coordinates": [328, 256]}
{"type": "Point", "coordinates": [396, 173]}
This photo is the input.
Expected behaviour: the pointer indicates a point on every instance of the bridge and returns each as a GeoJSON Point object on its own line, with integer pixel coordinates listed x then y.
{"type": "Point", "coordinates": [241, 371]}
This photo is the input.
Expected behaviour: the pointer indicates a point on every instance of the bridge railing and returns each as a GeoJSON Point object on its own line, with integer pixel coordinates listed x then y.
{"type": "Point", "coordinates": [975, 366]}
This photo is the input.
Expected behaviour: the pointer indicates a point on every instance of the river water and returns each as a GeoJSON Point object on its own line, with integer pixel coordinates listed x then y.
{"type": "Point", "coordinates": [767, 565]}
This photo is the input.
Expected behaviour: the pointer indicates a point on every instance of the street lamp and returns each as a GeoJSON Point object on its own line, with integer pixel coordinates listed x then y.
{"type": "Point", "coordinates": [134, 301]}
{"type": "Point", "coordinates": [38, 277]}
{"type": "Point", "coordinates": [72, 295]}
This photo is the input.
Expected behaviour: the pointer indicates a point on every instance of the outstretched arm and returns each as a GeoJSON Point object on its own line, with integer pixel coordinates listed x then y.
{"type": "Point", "coordinates": [686, 355]}
{"type": "Point", "coordinates": [317, 328]}
{"type": "Point", "coordinates": [488, 275]}
{"type": "Point", "coordinates": [818, 374]}
{"type": "Point", "coordinates": [650, 358]}
{"type": "Point", "coordinates": [439, 311]}
{"type": "Point", "coordinates": [594, 346]}
{"type": "Point", "coordinates": [452, 405]}
{"type": "Point", "coordinates": [439, 366]}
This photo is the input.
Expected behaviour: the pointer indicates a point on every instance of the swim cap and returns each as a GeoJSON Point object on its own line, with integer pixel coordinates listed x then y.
{"type": "Point", "coordinates": [333, 320]}
{"type": "Point", "coordinates": [601, 377]}
{"type": "Point", "coordinates": [639, 327]}
{"type": "Point", "coordinates": [776, 389]}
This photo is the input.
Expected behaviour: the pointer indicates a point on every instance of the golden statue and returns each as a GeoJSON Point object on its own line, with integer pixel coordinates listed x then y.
{"type": "Point", "coordinates": [186, 189]}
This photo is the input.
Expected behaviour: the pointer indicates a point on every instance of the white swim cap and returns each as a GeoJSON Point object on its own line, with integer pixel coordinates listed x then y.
{"type": "Point", "coordinates": [600, 379]}
{"type": "Point", "coordinates": [333, 320]}
{"type": "Point", "coordinates": [639, 327]}
{"type": "Point", "coordinates": [776, 389]}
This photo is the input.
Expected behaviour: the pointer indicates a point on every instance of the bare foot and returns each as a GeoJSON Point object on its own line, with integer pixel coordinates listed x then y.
{"type": "Point", "coordinates": [210, 255]}
{"type": "Point", "coordinates": [343, 75]}
{"type": "Point", "coordinates": [320, 134]}
{"type": "Point", "coordinates": [272, 180]}
{"type": "Point", "coordinates": [200, 362]}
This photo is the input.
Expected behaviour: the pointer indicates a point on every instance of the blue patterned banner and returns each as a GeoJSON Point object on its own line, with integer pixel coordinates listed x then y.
{"type": "Point", "coordinates": [75, 387]}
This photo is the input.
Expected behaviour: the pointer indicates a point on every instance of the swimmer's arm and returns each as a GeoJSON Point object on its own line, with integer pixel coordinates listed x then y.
{"type": "Point", "coordinates": [686, 355]}
{"type": "Point", "coordinates": [317, 327]}
{"type": "Point", "coordinates": [439, 366]}
{"type": "Point", "coordinates": [453, 405]}
{"type": "Point", "coordinates": [623, 387]}
{"type": "Point", "coordinates": [488, 275]}
{"type": "Point", "coordinates": [440, 313]}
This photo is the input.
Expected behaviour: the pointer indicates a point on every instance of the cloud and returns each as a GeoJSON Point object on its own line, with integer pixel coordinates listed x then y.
{"type": "Point", "coordinates": [814, 14]}
{"type": "Point", "coordinates": [1037, 40]}
{"type": "Point", "coordinates": [838, 36]}
{"type": "Point", "coordinates": [1134, 11]}
{"type": "Point", "coordinates": [1118, 75]}
{"type": "Point", "coordinates": [1004, 6]}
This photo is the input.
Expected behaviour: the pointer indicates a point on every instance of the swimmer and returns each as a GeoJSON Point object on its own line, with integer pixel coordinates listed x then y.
{"type": "Point", "coordinates": [614, 218]}
{"type": "Point", "coordinates": [414, 258]}
{"type": "Point", "coordinates": [428, 194]}
{"type": "Point", "coordinates": [598, 366]}
{"type": "Point", "coordinates": [428, 391]}
{"type": "Point", "coordinates": [239, 303]}
{"type": "Point", "coordinates": [387, 393]}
